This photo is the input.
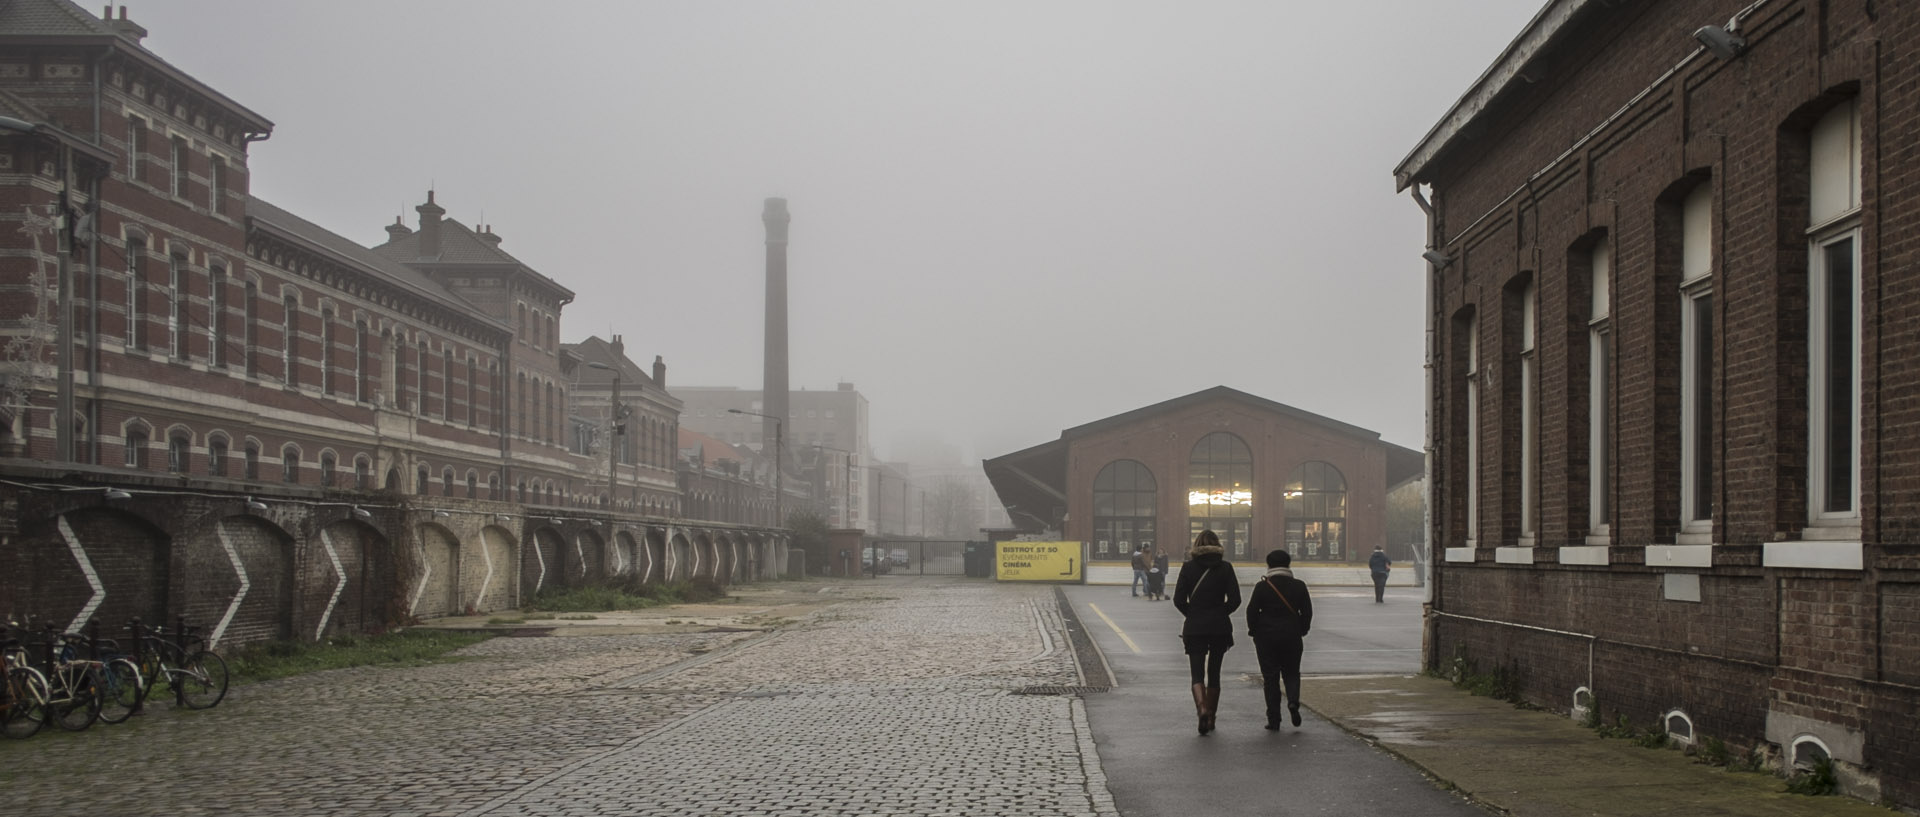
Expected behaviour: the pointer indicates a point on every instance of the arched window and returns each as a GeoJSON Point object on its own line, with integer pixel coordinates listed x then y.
{"type": "Point", "coordinates": [393, 480]}
{"type": "Point", "coordinates": [493, 486]}
{"type": "Point", "coordinates": [290, 464]}
{"type": "Point", "coordinates": [328, 465]}
{"type": "Point", "coordinates": [522, 489]}
{"type": "Point", "coordinates": [473, 486]}
{"type": "Point", "coordinates": [217, 456]}
{"type": "Point", "coordinates": [1220, 491]}
{"type": "Point", "coordinates": [137, 447]}
{"type": "Point", "coordinates": [446, 481]}
{"type": "Point", "coordinates": [179, 452]}
{"type": "Point", "coordinates": [422, 479]}
{"type": "Point", "coordinates": [1124, 499]}
{"type": "Point", "coordinates": [362, 474]}
{"type": "Point", "coordinates": [251, 466]}
{"type": "Point", "coordinates": [1317, 513]}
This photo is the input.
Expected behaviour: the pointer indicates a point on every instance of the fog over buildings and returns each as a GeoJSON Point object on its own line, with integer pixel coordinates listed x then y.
{"type": "Point", "coordinates": [1008, 218]}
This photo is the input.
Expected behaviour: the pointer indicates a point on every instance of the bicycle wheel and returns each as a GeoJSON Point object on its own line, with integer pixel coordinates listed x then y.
{"type": "Point", "coordinates": [151, 673]}
{"type": "Point", "coordinates": [202, 681]}
{"type": "Point", "coordinates": [26, 702]}
{"type": "Point", "coordinates": [120, 694]}
{"type": "Point", "coordinates": [74, 696]}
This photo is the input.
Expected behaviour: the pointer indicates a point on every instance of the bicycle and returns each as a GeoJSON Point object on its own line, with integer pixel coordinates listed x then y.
{"type": "Point", "coordinates": [25, 692]}
{"type": "Point", "coordinates": [197, 676]}
{"type": "Point", "coordinates": [73, 684]}
{"type": "Point", "coordinates": [121, 689]}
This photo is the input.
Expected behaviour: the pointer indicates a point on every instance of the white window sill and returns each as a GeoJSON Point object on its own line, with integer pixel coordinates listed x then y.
{"type": "Point", "coordinates": [1690, 536]}
{"type": "Point", "coordinates": [1461, 554]}
{"type": "Point", "coordinates": [1513, 555]}
{"type": "Point", "coordinates": [1584, 555]}
{"type": "Point", "coordinates": [1849, 532]}
{"type": "Point", "coordinates": [1684, 555]}
{"type": "Point", "coordinates": [1818, 555]}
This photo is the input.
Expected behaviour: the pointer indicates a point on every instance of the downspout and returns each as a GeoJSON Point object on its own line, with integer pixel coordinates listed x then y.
{"type": "Point", "coordinates": [1431, 446]}
{"type": "Point", "coordinates": [92, 455]}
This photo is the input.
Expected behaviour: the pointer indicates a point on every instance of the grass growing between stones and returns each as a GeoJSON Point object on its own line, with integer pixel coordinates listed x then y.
{"type": "Point", "coordinates": [629, 596]}
{"type": "Point", "coordinates": [280, 659]}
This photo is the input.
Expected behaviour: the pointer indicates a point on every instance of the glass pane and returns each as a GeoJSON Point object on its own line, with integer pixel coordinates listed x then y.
{"type": "Point", "coordinates": [1703, 407]}
{"type": "Point", "coordinates": [1839, 388]}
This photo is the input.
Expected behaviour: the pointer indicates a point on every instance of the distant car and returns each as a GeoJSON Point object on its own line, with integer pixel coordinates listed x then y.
{"type": "Point", "coordinates": [898, 557]}
{"type": "Point", "coordinates": [868, 557]}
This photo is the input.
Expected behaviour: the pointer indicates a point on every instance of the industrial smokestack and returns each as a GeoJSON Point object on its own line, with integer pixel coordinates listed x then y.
{"type": "Point", "coordinates": [774, 389]}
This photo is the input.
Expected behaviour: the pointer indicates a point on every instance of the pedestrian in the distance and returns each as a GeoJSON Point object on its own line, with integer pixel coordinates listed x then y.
{"type": "Point", "coordinates": [1139, 570]}
{"type": "Point", "coordinates": [1279, 614]}
{"type": "Point", "coordinates": [1157, 574]}
{"type": "Point", "coordinates": [1379, 564]}
{"type": "Point", "coordinates": [1207, 594]}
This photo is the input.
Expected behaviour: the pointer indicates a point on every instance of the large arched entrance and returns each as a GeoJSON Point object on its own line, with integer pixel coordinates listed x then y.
{"type": "Point", "coordinates": [354, 569]}
{"type": "Point", "coordinates": [492, 589]}
{"type": "Point", "coordinates": [626, 557]}
{"type": "Point", "coordinates": [590, 559]}
{"type": "Point", "coordinates": [436, 590]}
{"type": "Point", "coordinates": [128, 557]}
{"type": "Point", "coordinates": [1220, 492]}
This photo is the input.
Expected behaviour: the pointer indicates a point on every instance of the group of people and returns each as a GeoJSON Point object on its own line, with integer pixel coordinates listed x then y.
{"type": "Point", "coordinates": [1279, 616]}
{"type": "Point", "coordinates": [1150, 569]}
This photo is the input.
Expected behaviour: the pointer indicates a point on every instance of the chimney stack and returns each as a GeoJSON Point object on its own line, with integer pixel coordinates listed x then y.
{"type": "Point", "coordinates": [659, 371]}
{"type": "Point", "coordinates": [123, 26]}
{"type": "Point", "coordinates": [774, 389]}
{"type": "Point", "coordinates": [619, 347]}
{"type": "Point", "coordinates": [430, 214]}
{"type": "Point", "coordinates": [397, 230]}
{"type": "Point", "coordinates": [488, 236]}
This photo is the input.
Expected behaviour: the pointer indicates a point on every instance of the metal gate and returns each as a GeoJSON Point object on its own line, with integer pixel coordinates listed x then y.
{"type": "Point", "coordinates": [913, 557]}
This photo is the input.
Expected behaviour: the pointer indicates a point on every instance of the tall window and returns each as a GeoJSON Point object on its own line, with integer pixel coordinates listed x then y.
{"type": "Point", "coordinates": [177, 307]}
{"type": "Point", "coordinates": [446, 383]}
{"type": "Point", "coordinates": [1473, 431]}
{"type": "Point", "coordinates": [217, 315]}
{"type": "Point", "coordinates": [326, 351]}
{"type": "Point", "coordinates": [1125, 502]}
{"type": "Point", "coordinates": [421, 479]}
{"type": "Point", "coordinates": [216, 183]}
{"type": "Point", "coordinates": [250, 326]}
{"type": "Point", "coordinates": [250, 464]}
{"type": "Point", "coordinates": [327, 468]}
{"type": "Point", "coordinates": [420, 376]}
{"type": "Point", "coordinates": [1696, 366]}
{"type": "Point", "coordinates": [1316, 495]}
{"type": "Point", "coordinates": [1220, 491]}
{"type": "Point", "coordinates": [473, 486]}
{"type": "Point", "coordinates": [446, 481]}
{"type": "Point", "coordinates": [290, 339]}
{"type": "Point", "coordinates": [136, 147]}
{"type": "Point", "coordinates": [391, 377]}
{"type": "Point", "coordinates": [136, 447]}
{"type": "Point", "coordinates": [1833, 337]}
{"type": "Point", "coordinates": [136, 330]}
{"type": "Point", "coordinates": [362, 383]}
{"type": "Point", "coordinates": [289, 464]}
{"type": "Point", "coordinates": [1529, 417]}
{"type": "Point", "coordinates": [179, 453]}
{"type": "Point", "coordinates": [472, 410]}
{"type": "Point", "coordinates": [217, 456]}
{"type": "Point", "coordinates": [1599, 420]}
{"type": "Point", "coordinates": [520, 418]}
{"type": "Point", "coordinates": [180, 154]}
{"type": "Point", "coordinates": [362, 474]}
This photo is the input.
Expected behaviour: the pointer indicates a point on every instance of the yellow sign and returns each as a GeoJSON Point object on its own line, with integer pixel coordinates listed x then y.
{"type": "Point", "coordinates": [1039, 562]}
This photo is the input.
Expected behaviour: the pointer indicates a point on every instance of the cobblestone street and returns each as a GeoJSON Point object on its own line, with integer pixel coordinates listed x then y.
{"type": "Point", "coordinates": [896, 700]}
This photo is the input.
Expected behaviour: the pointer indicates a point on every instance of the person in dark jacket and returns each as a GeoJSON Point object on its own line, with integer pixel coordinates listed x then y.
{"type": "Point", "coordinates": [1207, 594]}
{"type": "Point", "coordinates": [1139, 569]}
{"type": "Point", "coordinates": [1157, 575]}
{"type": "Point", "coordinates": [1279, 614]}
{"type": "Point", "coordinates": [1379, 564]}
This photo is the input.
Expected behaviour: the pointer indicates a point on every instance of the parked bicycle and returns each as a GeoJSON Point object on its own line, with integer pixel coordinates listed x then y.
{"type": "Point", "coordinates": [196, 675]}
{"type": "Point", "coordinates": [25, 690]}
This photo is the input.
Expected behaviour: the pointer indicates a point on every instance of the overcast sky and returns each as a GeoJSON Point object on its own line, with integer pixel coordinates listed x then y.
{"type": "Point", "coordinates": [1008, 217]}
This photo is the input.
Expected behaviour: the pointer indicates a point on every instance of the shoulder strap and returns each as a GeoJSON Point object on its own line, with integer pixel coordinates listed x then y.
{"type": "Point", "coordinates": [1283, 596]}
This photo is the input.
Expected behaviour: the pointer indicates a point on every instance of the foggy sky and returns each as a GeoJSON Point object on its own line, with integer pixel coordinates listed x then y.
{"type": "Point", "coordinates": [1008, 217]}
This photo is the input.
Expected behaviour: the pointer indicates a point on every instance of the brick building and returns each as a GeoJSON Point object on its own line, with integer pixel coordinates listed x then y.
{"type": "Point", "coordinates": [1261, 474]}
{"type": "Point", "coordinates": [211, 406]}
{"type": "Point", "coordinates": [1673, 472]}
{"type": "Point", "coordinates": [644, 437]}
{"type": "Point", "coordinates": [833, 422]}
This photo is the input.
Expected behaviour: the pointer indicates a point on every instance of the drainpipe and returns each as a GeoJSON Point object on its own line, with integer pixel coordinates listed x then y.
{"type": "Point", "coordinates": [1432, 440]}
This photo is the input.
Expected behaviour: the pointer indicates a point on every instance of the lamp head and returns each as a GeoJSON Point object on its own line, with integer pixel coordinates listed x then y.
{"type": "Point", "coordinates": [1723, 42]}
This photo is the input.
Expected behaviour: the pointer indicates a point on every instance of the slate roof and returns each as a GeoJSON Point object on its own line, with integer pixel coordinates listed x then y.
{"type": "Point", "coordinates": [49, 18]}
{"type": "Point", "coordinates": [32, 20]}
{"type": "Point", "coordinates": [344, 250]}
{"type": "Point", "coordinates": [595, 350]}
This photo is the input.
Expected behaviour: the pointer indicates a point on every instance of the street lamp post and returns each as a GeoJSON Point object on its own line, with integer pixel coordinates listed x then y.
{"type": "Point", "coordinates": [779, 471]}
{"type": "Point", "coordinates": [614, 433]}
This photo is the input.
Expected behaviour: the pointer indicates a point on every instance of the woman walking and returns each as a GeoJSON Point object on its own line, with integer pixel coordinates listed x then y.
{"type": "Point", "coordinates": [1207, 594]}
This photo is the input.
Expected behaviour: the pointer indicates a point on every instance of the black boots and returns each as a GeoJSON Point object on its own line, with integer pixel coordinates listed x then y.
{"type": "Point", "coordinates": [1293, 710]}
{"type": "Point", "coordinates": [1200, 709]}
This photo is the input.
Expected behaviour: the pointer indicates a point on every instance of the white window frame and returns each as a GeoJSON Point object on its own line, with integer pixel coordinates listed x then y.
{"type": "Point", "coordinates": [1599, 394]}
{"type": "Point", "coordinates": [1823, 524]}
{"type": "Point", "coordinates": [176, 306]}
{"type": "Point", "coordinates": [1529, 418]}
{"type": "Point", "coordinates": [1473, 432]}
{"type": "Point", "coordinates": [1696, 252]}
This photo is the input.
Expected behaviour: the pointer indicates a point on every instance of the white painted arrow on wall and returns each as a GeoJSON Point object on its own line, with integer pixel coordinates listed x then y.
{"type": "Point", "coordinates": [240, 570]}
{"type": "Point", "coordinates": [86, 569]}
{"type": "Point", "coordinates": [339, 584]}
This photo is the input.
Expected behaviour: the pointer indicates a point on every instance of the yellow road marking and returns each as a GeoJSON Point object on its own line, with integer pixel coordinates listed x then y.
{"type": "Point", "coordinates": [1116, 628]}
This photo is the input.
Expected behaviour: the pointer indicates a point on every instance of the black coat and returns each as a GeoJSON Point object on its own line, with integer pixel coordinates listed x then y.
{"type": "Point", "coordinates": [1207, 594]}
{"type": "Point", "coordinates": [1269, 614]}
{"type": "Point", "coordinates": [1378, 562]}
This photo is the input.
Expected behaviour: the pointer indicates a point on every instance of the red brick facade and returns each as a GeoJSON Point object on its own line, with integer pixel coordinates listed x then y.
{"type": "Point", "coordinates": [1777, 618]}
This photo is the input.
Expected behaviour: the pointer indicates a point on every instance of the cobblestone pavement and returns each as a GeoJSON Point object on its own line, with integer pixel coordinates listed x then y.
{"type": "Point", "coordinates": [895, 701]}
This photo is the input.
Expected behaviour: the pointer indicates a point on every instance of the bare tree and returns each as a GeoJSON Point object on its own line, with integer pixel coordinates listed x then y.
{"type": "Point", "coordinates": [953, 508]}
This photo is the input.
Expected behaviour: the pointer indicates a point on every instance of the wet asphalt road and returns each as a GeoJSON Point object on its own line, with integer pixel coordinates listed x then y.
{"type": "Point", "coordinates": [1155, 762]}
